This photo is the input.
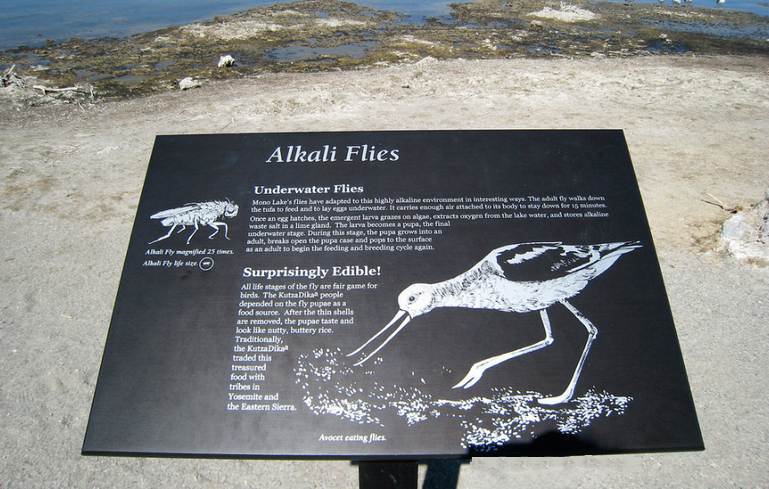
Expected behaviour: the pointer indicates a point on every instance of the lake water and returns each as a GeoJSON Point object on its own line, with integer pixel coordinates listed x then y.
{"type": "Point", "coordinates": [32, 22]}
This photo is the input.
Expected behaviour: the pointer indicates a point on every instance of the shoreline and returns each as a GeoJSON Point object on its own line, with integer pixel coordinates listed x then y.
{"type": "Point", "coordinates": [407, 16]}
{"type": "Point", "coordinates": [329, 35]}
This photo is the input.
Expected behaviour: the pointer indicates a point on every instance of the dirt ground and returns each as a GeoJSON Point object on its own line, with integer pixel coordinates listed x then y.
{"type": "Point", "coordinates": [71, 178]}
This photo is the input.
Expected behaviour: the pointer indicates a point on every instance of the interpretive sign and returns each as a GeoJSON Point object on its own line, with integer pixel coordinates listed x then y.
{"type": "Point", "coordinates": [391, 295]}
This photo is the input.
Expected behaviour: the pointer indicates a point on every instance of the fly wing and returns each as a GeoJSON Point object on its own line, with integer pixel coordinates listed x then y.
{"type": "Point", "coordinates": [175, 212]}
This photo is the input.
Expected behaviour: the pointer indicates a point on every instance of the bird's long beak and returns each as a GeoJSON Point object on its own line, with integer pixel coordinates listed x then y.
{"type": "Point", "coordinates": [389, 325]}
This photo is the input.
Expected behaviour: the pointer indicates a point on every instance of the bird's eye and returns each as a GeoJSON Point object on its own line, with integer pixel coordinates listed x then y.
{"type": "Point", "coordinates": [412, 298]}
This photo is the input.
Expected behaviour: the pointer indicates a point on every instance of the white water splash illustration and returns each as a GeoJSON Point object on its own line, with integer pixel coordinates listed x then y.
{"type": "Point", "coordinates": [330, 386]}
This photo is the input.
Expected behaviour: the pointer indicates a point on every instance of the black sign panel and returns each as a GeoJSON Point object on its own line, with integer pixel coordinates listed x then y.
{"type": "Point", "coordinates": [391, 294]}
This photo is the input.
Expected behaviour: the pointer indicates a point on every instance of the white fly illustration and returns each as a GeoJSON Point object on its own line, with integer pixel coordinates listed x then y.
{"type": "Point", "coordinates": [515, 278]}
{"type": "Point", "coordinates": [197, 214]}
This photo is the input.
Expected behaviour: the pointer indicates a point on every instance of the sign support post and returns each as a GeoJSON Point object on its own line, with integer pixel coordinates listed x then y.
{"type": "Point", "coordinates": [387, 475]}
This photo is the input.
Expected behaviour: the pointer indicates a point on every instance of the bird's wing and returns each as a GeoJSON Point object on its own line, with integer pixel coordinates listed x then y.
{"type": "Point", "coordinates": [174, 212]}
{"type": "Point", "coordinates": [528, 262]}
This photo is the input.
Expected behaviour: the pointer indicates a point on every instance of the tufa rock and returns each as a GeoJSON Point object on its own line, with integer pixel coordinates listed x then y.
{"type": "Point", "coordinates": [226, 61]}
{"type": "Point", "coordinates": [189, 82]}
{"type": "Point", "coordinates": [745, 235]}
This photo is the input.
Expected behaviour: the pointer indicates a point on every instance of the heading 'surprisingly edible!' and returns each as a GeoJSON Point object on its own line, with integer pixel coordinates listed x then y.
{"type": "Point", "coordinates": [363, 153]}
{"type": "Point", "coordinates": [314, 272]}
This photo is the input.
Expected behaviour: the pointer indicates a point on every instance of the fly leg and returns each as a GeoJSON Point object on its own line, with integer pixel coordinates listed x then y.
{"type": "Point", "coordinates": [216, 225]}
{"type": "Point", "coordinates": [193, 232]}
{"type": "Point", "coordinates": [226, 229]}
{"type": "Point", "coordinates": [166, 236]}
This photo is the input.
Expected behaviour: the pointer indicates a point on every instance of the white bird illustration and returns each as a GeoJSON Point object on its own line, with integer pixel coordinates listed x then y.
{"type": "Point", "coordinates": [519, 278]}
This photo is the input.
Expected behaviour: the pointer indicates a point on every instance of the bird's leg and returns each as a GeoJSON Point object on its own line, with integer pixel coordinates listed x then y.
{"type": "Point", "coordinates": [476, 371]}
{"type": "Point", "coordinates": [193, 232]}
{"type": "Point", "coordinates": [164, 237]}
{"type": "Point", "coordinates": [592, 332]}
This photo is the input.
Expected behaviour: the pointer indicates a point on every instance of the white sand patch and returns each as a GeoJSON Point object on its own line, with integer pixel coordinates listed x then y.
{"type": "Point", "coordinates": [244, 29]}
{"type": "Point", "coordinates": [687, 14]}
{"type": "Point", "coordinates": [415, 40]}
{"type": "Point", "coordinates": [232, 30]}
{"type": "Point", "coordinates": [333, 22]}
{"type": "Point", "coordinates": [288, 12]}
{"type": "Point", "coordinates": [567, 13]}
{"type": "Point", "coordinates": [426, 61]}
{"type": "Point", "coordinates": [405, 55]}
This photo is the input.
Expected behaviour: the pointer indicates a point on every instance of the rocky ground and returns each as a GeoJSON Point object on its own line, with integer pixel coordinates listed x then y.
{"type": "Point", "coordinates": [71, 177]}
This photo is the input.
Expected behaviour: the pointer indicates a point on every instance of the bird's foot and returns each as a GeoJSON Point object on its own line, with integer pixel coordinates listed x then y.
{"type": "Point", "coordinates": [473, 376]}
